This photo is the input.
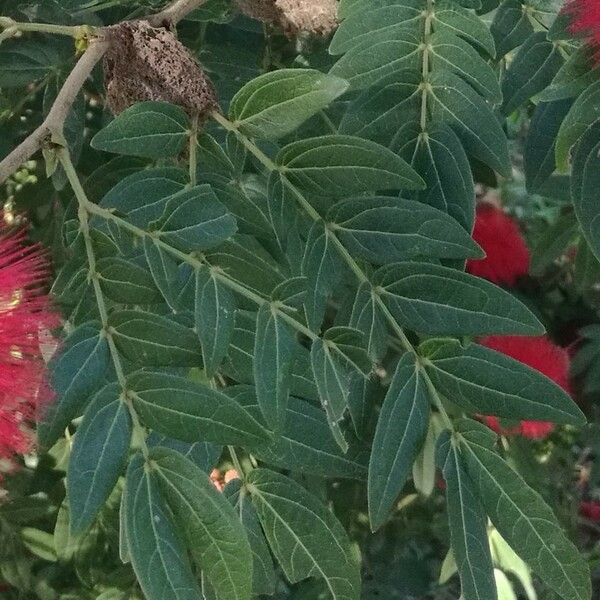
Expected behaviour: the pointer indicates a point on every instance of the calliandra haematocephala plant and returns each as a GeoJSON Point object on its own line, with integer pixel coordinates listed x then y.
{"type": "Point", "coordinates": [585, 23]}
{"type": "Point", "coordinates": [26, 314]}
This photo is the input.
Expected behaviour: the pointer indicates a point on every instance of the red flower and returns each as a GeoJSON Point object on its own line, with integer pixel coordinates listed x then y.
{"type": "Point", "coordinates": [590, 510]}
{"type": "Point", "coordinates": [585, 22]}
{"type": "Point", "coordinates": [25, 312]}
{"type": "Point", "coordinates": [538, 353]}
{"type": "Point", "coordinates": [507, 256]}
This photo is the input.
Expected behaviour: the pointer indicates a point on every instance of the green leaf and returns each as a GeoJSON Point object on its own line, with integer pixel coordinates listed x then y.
{"type": "Point", "coordinates": [378, 57]}
{"type": "Point", "coordinates": [443, 163]}
{"type": "Point", "coordinates": [540, 147]}
{"type": "Point", "coordinates": [306, 538]}
{"type": "Point", "coordinates": [188, 411]}
{"type": "Point", "coordinates": [23, 61]}
{"type": "Point", "coordinates": [247, 202]}
{"type": "Point", "coordinates": [424, 472]}
{"type": "Point", "coordinates": [379, 112]}
{"type": "Point", "coordinates": [378, 23]}
{"type": "Point", "coordinates": [264, 578]}
{"type": "Point", "coordinates": [531, 71]}
{"type": "Point", "coordinates": [323, 268]}
{"type": "Point", "coordinates": [484, 381]}
{"type": "Point", "coordinates": [211, 528]}
{"type": "Point", "coordinates": [522, 517]}
{"type": "Point", "coordinates": [401, 429]}
{"type": "Point", "coordinates": [553, 243]}
{"type": "Point", "coordinates": [454, 54]}
{"type": "Point", "coordinates": [274, 355]}
{"type": "Point", "coordinates": [366, 317]}
{"type": "Point", "coordinates": [203, 454]}
{"type": "Point", "coordinates": [507, 560]}
{"type": "Point", "coordinates": [148, 129]}
{"type": "Point", "coordinates": [276, 103]}
{"type": "Point", "coordinates": [247, 262]}
{"type": "Point", "coordinates": [465, 24]}
{"type": "Point", "coordinates": [215, 313]}
{"type": "Point", "coordinates": [584, 113]}
{"type": "Point", "coordinates": [572, 78]}
{"type": "Point", "coordinates": [439, 300]}
{"type": "Point", "coordinates": [335, 165]}
{"type": "Point", "coordinates": [98, 456]}
{"type": "Point", "coordinates": [158, 556]}
{"type": "Point", "coordinates": [194, 219]}
{"type": "Point", "coordinates": [40, 543]}
{"type": "Point", "coordinates": [240, 363]}
{"type": "Point", "coordinates": [511, 26]}
{"type": "Point", "coordinates": [584, 186]}
{"type": "Point", "coordinates": [457, 104]}
{"type": "Point", "coordinates": [127, 283]}
{"type": "Point", "coordinates": [26, 509]}
{"type": "Point", "coordinates": [334, 359]}
{"type": "Point", "coordinates": [333, 380]}
{"type": "Point", "coordinates": [384, 230]}
{"type": "Point", "coordinates": [143, 195]}
{"type": "Point", "coordinates": [79, 370]}
{"type": "Point", "coordinates": [305, 443]}
{"type": "Point", "coordinates": [468, 525]}
{"type": "Point", "coordinates": [164, 271]}
{"type": "Point", "coordinates": [154, 341]}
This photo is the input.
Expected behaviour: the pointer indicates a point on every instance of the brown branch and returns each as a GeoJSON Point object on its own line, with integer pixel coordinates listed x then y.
{"type": "Point", "coordinates": [53, 124]}
{"type": "Point", "coordinates": [175, 12]}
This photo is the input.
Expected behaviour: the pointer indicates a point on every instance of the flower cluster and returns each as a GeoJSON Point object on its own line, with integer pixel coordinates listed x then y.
{"type": "Point", "coordinates": [585, 22]}
{"type": "Point", "coordinates": [220, 479]}
{"type": "Point", "coordinates": [590, 509]}
{"type": "Point", "coordinates": [507, 256]}
{"type": "Point", "coordinates": [506, 262]}
{"type": "Point", "coordinates": [25, 314]}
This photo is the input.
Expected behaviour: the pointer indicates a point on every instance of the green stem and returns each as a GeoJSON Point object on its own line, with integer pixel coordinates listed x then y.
{"type": "Point", "coordinates": [247, 143]}
{"type": "Point", "coordinates": [236, 461]}
{"type": "Point", "coordinates": [194, 151]}
{"type": "Point", "coordinates": [71, 31]}
{"type": "Point", "coordinates": [83, 214]}
{"type": "Point", "coordinates": [197, 263]}
{"type": "Point", "coordinates": [436, 399]}
{"type": "Point", "coordinates": [425, 66]}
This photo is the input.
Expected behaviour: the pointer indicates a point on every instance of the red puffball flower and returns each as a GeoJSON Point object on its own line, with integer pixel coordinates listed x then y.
{"type": "Point", "coordinates": [25, 315]}
{"type": "Point", "coordinates": [541, 354]}
{"type": "Point", "coordinates": [507, 256]}
{"type": "Point", "coordinates": [590, 510]}
{"type": "Point", "coordinates": [585, 22]}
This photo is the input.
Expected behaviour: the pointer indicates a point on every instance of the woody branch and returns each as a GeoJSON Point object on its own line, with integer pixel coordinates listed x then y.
{"type": "Point", "coordinates": [52, 127]}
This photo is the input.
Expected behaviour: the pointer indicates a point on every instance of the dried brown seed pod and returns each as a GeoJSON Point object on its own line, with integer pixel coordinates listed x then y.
{"type": "Point", "coordinates": [150, 63]}
{"type": "Point", "coordinates": [318, 17]}
{"type": "Point", "coordinates": [261, 10]}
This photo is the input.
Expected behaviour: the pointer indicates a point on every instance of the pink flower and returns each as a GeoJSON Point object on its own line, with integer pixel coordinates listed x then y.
{"type": "Point", "coordinates": [507, 256]}
{"type": "Point", "coordinates": [541, 354]}
{"type": "Point", "coordinates": [25, 311]}
{"type": "Point", "coordinates": [585, 22]}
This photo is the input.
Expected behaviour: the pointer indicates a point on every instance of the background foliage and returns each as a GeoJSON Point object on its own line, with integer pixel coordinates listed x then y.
{"type": "Point", "coordinates": [283, 293]}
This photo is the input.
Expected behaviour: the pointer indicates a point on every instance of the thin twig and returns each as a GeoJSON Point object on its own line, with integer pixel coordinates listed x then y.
{"type": "Point", "coordinates": [52, 127]}
{"type": "Point", "coordinates": [53, 124]}
{"type": "Point", "coordinates": [176, 11]}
